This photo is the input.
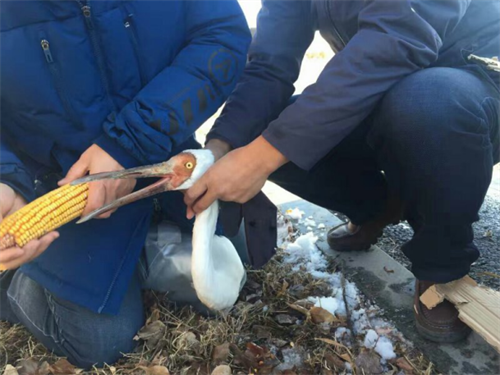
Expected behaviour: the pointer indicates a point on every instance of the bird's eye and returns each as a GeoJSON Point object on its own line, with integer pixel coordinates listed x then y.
{"type": "Point", "coordinates": [189, 165]}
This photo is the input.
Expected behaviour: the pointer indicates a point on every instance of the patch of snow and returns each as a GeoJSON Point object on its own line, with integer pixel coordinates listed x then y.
{"type": "Point", "coordinates": [343, 335]}
{"type": "Point", "coordinates": [303, 254]}
{"type": "Point", "coordinates": [321, 226]}
{"type": "Point", "coordinates": [385, 349]}
{"type": "Point", "coordinates": [371, 339]}
{"type": "Point", "coordinates": [294, 214]}
{"type": "Point", "coordinates": [330, 304]}
{"type": "Point", "coordinates": [309, 222]}
{"type": "Point", "coordinates": [360, 321]}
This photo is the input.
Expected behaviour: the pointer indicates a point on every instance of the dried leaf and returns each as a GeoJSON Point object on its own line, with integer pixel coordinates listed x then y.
{"type": "Point", "coordinates": [157, 370]}
{"type": "Point", "coordinates": [155, 315]}
{"type": "Point", "coordinates": [320, 315]}
{"type": "Point", "coordinates": [388, 270]}
{"type": "Point", "coordinates": [284, 287]}
{"type": "Point", "coordinates": [222, 370]}
{"type": "Point", "coordinates": [63, 367]}
{"type": "Point", "coordinates": [10, 370]}
{"type": "Point", "coordinates": [189, 341]}
{"type": "Point", "coordinates": [256, 350]}
{"type": "Point", "coordinates": [221, 353]}
{"type": "Point", "coordinates": [346, 357]}
{"type": "Point", "coordinates": [300, 309]}
{"type": "Point", "coordinates": [28, 367]}
{"type": "Point", "coordinates": [404, 365]}
{"type": "Point", "coordinates": [334, 360]}
{"type": "Point", "coordinates": [369, 362]}
{"type": "Point", "coordinates": [152, 333]}
{"type": "Point", "coordinates": [32, 367]}
{"type": "Point", "coordinates": [336, 344]}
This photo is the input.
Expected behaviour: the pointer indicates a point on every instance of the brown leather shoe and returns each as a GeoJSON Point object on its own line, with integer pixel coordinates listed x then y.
{"type": "Point", "coordinates": [441, 324]}
{"type": "Point", "coordinates": [340, 238]}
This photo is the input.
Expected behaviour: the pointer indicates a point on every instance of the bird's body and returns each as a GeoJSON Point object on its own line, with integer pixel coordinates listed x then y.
{"type": "Point", "coordinates": [217, 270]}
{"type": "Point", "coordinates": [216, 266]}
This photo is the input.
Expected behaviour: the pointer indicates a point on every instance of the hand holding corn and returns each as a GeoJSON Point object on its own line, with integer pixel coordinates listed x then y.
{"type": "Point", "coordinates": [26, 230]}
{"type": "Point", "coordinates": [12, 256]}
{"type": "Point", "coordinates": [96, 160]}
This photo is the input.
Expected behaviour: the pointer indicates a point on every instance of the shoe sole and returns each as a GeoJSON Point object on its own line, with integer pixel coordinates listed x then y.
{"type": "Point", "coordinates": [442, 338]}
{"type": "Point", "coordinates": [365, 247]}
{"type": "Point", "coordinates": [353, 248]}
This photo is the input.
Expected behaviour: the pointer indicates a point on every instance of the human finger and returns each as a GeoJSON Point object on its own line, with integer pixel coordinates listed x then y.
{"type": "Point", "coordinates": [96, 197]}
{"type": "Point", "coordinates": [79, 169]}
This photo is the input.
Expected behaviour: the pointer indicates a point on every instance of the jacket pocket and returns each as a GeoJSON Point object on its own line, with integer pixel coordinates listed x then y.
{"type": "Point", "coordinates": [130, 27]}
{"type": "Point", "coordinates": [58, 81]}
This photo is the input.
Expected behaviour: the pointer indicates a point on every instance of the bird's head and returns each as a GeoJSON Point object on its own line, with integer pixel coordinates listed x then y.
{"type": "Point", "coordinates": [187, 167]}
{"type": "Point", "coordinates": [178, 173]}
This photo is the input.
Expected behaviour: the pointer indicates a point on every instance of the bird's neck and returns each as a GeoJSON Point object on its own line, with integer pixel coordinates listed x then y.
{"type": "Point", "coordinates": [203, 234]}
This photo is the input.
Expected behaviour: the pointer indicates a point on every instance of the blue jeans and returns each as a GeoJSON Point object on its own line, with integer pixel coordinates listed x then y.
{"type": "Point", "coordinates": [436, 137]}
{"type": "Point", "coordinates": [84, 337]}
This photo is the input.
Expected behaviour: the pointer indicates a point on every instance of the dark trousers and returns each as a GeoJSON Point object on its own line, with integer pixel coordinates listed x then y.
{"type": "Point", "coordinates": [435, 136]}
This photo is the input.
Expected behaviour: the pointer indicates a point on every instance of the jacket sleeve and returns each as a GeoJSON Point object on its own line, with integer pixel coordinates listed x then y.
{"type": "Point", "coordinates": [394, 40]}
{"type": "Point", "coordinates": [169, 109]}
{"type": "Point", "coordinates": [13, 171]}
{"type": "Point", "coordinates": [285, 29]}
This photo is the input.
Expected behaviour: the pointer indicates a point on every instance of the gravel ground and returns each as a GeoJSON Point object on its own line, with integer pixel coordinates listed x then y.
{"type": "Point", "coordinates": [487, 238]}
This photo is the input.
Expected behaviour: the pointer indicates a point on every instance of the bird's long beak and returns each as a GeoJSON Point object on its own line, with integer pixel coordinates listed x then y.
{"type": "Point", "coordinates": [164, 171]}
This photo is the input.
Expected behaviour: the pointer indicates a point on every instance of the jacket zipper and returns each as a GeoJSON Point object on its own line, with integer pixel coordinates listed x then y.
{"type": "Point", "coordinates": [135, 45]}
{"type": "Point", "coordinates": [57, 81]}
{"type": "Point", "coordinates": [87, 14]}
{"type": "Point", "coordinates": [328, 7]}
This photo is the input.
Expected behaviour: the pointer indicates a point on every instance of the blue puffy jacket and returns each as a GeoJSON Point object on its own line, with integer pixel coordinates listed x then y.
{"type": "Point", "coordinates": [136, 78]}
{"type": "Point", "coordinates": [377, 44]}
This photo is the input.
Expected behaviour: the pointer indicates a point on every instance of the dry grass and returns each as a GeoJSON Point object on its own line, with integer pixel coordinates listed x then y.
{"type": "Point", "coordinates": [271, 321]}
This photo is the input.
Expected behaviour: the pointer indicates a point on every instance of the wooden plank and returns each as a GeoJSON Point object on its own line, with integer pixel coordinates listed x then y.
{"type": "Point", "coordinates": [478, 306]}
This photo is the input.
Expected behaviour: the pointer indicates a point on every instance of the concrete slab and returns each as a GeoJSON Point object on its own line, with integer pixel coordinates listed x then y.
{"type": "Point", "coordinates": [391, 286]}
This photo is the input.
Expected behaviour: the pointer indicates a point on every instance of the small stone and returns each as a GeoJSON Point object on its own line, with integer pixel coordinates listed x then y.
{"type": "Point", "coordinates": [369, 362]}
{"type": "Point", "coordinates": [221, 353]}
{"type": "Point", "coordinates": [189, 341]}
{"type": "Point", "coordinates": [285, 319]}
{"type": "Point", "coordinates": [222, 370]}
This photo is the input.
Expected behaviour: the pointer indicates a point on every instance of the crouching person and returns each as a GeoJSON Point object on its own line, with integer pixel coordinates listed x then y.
{"type": "Point", "coordinates": [89, 87]}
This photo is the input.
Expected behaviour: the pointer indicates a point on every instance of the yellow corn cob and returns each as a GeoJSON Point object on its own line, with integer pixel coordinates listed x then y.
{"type": "Point", "coordinates": [43, 215]}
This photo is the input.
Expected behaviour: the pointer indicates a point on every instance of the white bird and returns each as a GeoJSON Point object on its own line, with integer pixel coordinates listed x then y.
{"type": "Point", "coordinates": [217, 270]}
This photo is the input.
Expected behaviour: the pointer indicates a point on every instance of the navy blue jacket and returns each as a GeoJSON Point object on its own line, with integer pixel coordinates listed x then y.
{"type": "Point", "coordinates": [377, 43]}
{"type": "Point", "coordinates": [136, 78]}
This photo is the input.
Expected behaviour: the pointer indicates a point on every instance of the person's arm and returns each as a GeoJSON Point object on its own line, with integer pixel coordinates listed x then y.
{"type": "Point", "coordinates": [285, 29]}
{"type": "Point", "coordinates": [16, 189]}
{"type": "Point", "coordinates": [394, 40]}
{"type": "Point", "coordinates": [169, 109]}
{"type": "Point", "coordinates": [13, 171]}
